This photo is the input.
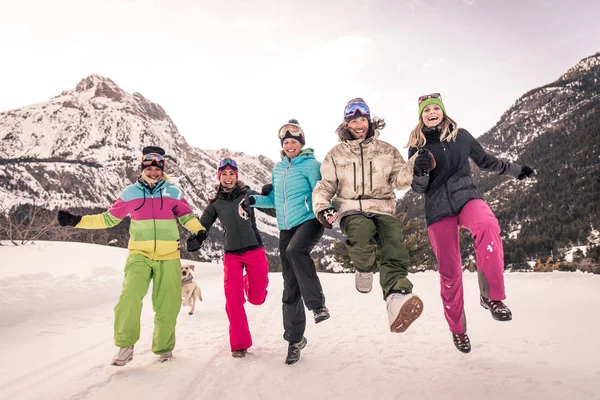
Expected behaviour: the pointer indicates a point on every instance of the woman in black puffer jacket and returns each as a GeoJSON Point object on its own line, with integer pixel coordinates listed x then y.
{"type": "Point", "coordinates": [442, 172]}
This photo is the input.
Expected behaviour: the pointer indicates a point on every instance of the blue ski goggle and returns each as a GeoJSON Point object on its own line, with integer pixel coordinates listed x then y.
{"type": "Point", "coordinates": [355, 107]}
{"type": "Point", "coordinates": [228, 162]}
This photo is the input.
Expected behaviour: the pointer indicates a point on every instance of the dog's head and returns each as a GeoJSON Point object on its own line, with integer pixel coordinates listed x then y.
{"type": "Point", "coordinates": [186, 269]}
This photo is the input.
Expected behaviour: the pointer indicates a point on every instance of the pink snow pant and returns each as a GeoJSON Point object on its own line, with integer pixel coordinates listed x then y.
{"type": "Point", "coordinates": [238, 286]}
{"type": "Point", "coordinates": [478, 218]}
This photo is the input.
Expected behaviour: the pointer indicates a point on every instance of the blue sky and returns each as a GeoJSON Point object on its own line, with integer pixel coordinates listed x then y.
{"type": "Point", "coordinates": [230, 73]}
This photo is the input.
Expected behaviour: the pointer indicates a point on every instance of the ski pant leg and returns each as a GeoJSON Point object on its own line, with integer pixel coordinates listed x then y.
{"type": "Point", "coordinates": [394, 261]}
{"type": "Point", "coordinates": [257, 275]}
{"type": "Point", "coordinates": [138, 272]}
{"type": "Point", "coordinates": [298, 250]}
{"type": "Point", "coordinates": [294, 317]}
{"type": "Point", "coordinates": [444, 239]}
{"type": "Point", "coordinates": [166, 302]}
{"type": "Point", "coordinates": [239, 330]}
{"type": "Point", "coordinates": [360, 233]}
{"type": "Point", "coordinates": [478, 218]}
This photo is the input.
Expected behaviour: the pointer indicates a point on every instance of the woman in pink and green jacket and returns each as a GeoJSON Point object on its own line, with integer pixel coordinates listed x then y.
{"type": "Point", "coordinates": [153, 204]}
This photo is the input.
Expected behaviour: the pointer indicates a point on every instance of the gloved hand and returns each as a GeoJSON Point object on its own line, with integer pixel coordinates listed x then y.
{"type": "Point", "coordinates": [327, 217]}
{"type": "Point", "coordinates": [266, 189]}
{"type": "Point", "coordinates": [244, 206]}
{"type": "Point", "coordinates": [424, 162]}
{"type": "Point", "coordinates": [526, 172]}
{"type": "Point", "coordinates": [66, 218]}
{"type": "Point", "coordinates": [194, 242]}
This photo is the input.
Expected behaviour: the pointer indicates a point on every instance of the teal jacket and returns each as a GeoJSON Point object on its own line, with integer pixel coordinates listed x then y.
{"type": "Point", "coordinates": [293, 183]}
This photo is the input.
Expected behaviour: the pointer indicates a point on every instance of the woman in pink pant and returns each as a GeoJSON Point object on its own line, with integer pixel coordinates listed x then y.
{"type": "Point", "coordinates": [441, 153]}
{"type": "Point", "coordinates": [244, 252]}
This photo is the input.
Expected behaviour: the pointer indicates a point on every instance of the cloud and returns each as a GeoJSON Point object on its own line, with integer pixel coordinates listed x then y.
{"type": "Point", "coordinates": [469, 2]}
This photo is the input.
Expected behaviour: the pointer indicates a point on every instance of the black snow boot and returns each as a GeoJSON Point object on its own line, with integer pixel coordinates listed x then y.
{"type": "Point", "coordinates": [293, 354]}
{"type": "Point", "coordinates": [462, 342]}
{"type": "Point", "coordinates": [498, 309]}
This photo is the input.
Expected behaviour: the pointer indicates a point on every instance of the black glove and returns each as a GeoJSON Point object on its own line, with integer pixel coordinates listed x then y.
{"type": "Point", "coordinates": [526, 172]}
{"type": "Point", "coordinates": [66, 218]}
{"type": "Point", "coordinates": [194, 242]}
{"type": "Point", "coordinates": [266, 189]}
{"type": "Point", "coordinates": [424, 162]}
{"type": "Point", "coordinates": [324, 214]}
{"type": "Point", "coordinates": [245, 206]}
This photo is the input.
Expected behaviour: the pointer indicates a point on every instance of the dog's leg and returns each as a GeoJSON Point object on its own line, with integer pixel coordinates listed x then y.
{"type": "Point", "coordinates": [192, 304]}
{"type": "Point", "coordinates": [199, 293]}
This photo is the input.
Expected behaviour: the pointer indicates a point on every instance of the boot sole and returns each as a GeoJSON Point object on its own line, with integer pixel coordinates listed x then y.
{"type": "Point", "coordinates": [410, 311]}
{"type": "Point", "coordinates": [504, 317]}
{"type": "Point", "coordinates": [121, 363]}
{"type": "Point", "coordinates": [363, 291]}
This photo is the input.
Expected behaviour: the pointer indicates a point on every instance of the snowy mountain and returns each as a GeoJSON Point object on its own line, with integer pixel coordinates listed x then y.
{"type": "Point", "coordinates": [81, 148]}
{"type": "Point", "coordinates": [556, 130]}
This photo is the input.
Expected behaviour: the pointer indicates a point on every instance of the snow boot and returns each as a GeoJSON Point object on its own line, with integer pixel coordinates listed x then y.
{"type": "Point", "coordinates": [363, 281]}
{"type": "Point", "coordinates": [462, 342]}
{"type": "Point", "coordinates": [321, 314]}
{"type": "Point", "coordinates": [498, 309]}
{"type": "Point", "coordinates": [403, 309]}
{"type": "Point", "coordinates": [165, 356]}
{"type": "Point", "coordinates": [239, 353]}
{"type": "Point", "coordinates": [293, 354]}
{"type": "Point", "coordinates": [124, 355]}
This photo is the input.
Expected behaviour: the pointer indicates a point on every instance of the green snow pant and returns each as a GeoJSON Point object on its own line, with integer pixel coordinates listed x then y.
{"type": "Point", "coordinates": [364, 235]}
{"type": "Point", "coordinates": [166, 301]}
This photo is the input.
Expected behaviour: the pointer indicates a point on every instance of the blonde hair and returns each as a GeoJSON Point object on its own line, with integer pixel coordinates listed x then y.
{"type": "Point", "coordinates": [164, 177]}
{"type": "Point", "coordinates": [449, 129]}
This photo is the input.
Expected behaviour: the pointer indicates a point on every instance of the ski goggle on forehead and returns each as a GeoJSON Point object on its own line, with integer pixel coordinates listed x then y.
{"type": "Point", "coordinates": [352, 108]}
{"type": "Point", "coordinates": [153, 159]}
{"type": "Point", "coordinates": [293, 129]}
{"type": "Point", "coordinates": [228, 162]}
{"type": "Point", "coordinates": [429, 96]}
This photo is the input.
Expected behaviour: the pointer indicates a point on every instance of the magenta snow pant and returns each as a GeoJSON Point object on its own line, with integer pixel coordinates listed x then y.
{"type": "Point", "coordinates": [478, 218]}
{"type": "Point", "coordinates": [238, 286]}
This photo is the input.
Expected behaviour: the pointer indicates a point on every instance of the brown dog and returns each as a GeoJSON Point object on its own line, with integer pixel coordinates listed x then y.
{"type": "Point", "coordinates": [189, 288]}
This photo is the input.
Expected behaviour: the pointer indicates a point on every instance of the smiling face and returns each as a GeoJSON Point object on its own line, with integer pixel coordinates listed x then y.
{"type": "Point", "coordinates": [359, 127]}
{"type": "Point", "coordinates": [291, 147]}
{"type": "Point", "coordinates": [153, 173]}
{"type": "Point", "coordinates": [228, 178]}
{"type": "Point", "coordinates": [432, 115]}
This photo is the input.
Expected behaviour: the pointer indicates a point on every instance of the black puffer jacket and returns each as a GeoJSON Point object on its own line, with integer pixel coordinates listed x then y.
{"type": "Point", "coordinates": [241, 234]}
{"type": "Point", "coordinates": [449, 186]}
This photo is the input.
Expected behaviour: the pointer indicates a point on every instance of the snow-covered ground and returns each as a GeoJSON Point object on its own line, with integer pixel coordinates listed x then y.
{"type": "Point", "coordinates": [56, 308]}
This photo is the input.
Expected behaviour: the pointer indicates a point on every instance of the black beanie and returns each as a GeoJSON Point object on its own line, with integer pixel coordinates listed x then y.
{"type": "Point", "coordinates": [290, 136]}
{"type": "Point", "coordinates": [153, 150]}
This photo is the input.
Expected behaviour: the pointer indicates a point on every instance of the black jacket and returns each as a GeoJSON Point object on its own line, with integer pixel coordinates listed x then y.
{"type": "Point", "coordinates": [449, 186]}
{"type": "Point", "coordinates": [241, 234]}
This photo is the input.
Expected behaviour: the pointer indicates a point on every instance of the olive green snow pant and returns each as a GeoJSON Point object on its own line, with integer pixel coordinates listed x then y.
{"type": "Point", "coordinates": [166, 301]}
{"type": "Point", "coordinates": [364, 235]}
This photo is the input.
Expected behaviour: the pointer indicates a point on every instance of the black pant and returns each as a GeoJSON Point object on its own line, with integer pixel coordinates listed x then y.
{"type": "Point", "coordinates": [300, 280]}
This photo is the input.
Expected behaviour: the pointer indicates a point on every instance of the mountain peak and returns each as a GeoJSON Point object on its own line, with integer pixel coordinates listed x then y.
{"type": "Point", "coordinates": [101, 87]}
{"type": "Point", "coordinates": [582, 66]}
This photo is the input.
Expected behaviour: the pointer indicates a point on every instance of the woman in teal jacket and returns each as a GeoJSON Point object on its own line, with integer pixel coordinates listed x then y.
{"type": "Point", "coordinates": [293, 180]}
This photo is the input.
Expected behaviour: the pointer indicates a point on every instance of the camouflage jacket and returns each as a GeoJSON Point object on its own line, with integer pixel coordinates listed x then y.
{"type": "Point", "coordinates": [360, 175]}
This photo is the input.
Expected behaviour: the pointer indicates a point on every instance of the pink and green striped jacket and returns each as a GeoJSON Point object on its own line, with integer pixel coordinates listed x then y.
{"type": "Point", "coordinates": [153, 230]}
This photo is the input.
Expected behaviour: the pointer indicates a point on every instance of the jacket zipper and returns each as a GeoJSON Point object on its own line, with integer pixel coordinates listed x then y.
{"type": "Point", "coordinates": [355, 188]}
{"type": "Point", "coordinates": [285, 194]}
{"type": "Point", "coordinates": [446, 151]}
{"type": "Point", "coordinates": [362, 167]}
{"type": "Point", "coordinates": [371, 174]}
{"type": "Point", "coordinates": [306, 203]}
